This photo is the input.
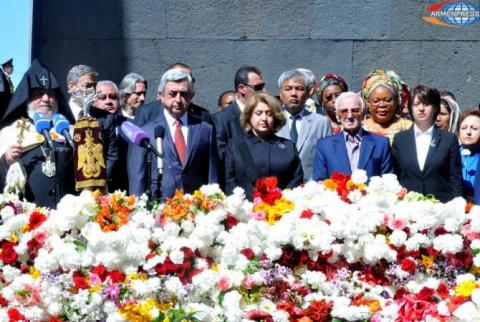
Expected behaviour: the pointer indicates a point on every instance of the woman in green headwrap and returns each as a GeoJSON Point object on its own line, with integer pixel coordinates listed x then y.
{"type": "Point", "coordinates": [384, 94]}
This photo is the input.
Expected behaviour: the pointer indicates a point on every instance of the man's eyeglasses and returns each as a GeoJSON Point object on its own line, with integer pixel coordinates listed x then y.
{"type": "Point", "coordinates": [257, 87]}
{"type": "Point", "coordinates": [355, 111]}
{"type": "Point", "coordinates": [103, 97]}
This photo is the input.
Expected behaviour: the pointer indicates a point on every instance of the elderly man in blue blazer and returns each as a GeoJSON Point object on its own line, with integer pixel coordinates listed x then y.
{"type": "Point", "coordinates": [189, 145]}
{"type": "Point", "coordinates": [303, 128]}
{"type": "Point", "coordinates": [353, 148]}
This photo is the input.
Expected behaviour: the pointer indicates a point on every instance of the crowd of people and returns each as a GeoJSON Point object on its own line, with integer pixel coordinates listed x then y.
{"type": "Point", "coordinates": [305, 130]}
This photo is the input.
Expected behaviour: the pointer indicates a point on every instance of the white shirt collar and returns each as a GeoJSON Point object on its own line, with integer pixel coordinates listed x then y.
{"type": "Point", "coordinates": [241, 106]}
{"type": "Point", "coordinates": [419, 132]}
{"type": "Point", "coordinates": [299, 115]}
{"type": "Point", "coordinates": [171, 120]}
{"type": "Point", "coordinates": [125, 114]}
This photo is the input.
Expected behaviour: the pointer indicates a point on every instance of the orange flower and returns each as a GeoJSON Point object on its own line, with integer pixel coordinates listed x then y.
{"type": "Point", "coordinates": [178, 207]}
{"type": "Point", "coordinates": [330, 184]}
{"type": "Point", "coordinates": [113, 210]}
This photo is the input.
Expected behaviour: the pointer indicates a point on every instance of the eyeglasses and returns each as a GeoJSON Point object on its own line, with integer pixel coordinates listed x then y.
{"type": "Point", "coordinates": [103, 97]}
{"type": "Point", "coordinates": [257, 87]}
{"type": "Point", "coordinates": [355, 112]}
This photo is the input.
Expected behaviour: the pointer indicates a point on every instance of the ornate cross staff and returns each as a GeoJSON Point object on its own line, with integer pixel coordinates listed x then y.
{"type": "Point", "coordinates": [85, 97]}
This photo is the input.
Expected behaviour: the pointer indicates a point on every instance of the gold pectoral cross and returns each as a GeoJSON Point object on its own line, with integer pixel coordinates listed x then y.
{"type": "Point", "coordinates": [23, 124]}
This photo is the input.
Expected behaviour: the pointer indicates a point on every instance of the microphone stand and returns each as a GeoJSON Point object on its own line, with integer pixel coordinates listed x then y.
{"type": "Point", "coordinates": [148, 188]}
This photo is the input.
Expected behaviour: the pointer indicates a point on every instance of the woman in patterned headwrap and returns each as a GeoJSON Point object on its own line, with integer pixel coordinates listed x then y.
{"type": "Point", "coordinates": [383, 93]}
{"type": "Point", "coordinates": [329, 88]}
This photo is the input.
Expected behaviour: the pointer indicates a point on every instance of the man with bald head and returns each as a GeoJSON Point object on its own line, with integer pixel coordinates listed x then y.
{"type": "Point", "coordinates": [353, 148]}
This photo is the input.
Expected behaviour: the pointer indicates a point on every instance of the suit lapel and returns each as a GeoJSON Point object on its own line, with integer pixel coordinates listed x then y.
{"type": "Point", "coordinates": [411, 148]}
{"type": "Point", "coordinates": [193, 133]}
{"type": "Point", "coordinates": [305, 130]}
{"type": "Point", "coordinates": [432, 148]}
{"type": "Point", "coordinates": [366, 149]}
{"type": "Point", "coordinates": [340, 150]}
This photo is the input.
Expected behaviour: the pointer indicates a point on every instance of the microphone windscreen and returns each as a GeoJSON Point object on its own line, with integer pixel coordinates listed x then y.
{"type": "Point", "coordinates": [60, 123]}
{"type": "Point", "coordinates": [133, 133]}
{"type": "Point", "coordinates": [42, 122]}
{"type": "Point", "coordinates": [159, 131]}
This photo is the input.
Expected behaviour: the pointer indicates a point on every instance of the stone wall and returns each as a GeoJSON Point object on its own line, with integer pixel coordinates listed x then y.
{"type": "Point", "coordinates": [216, 37]}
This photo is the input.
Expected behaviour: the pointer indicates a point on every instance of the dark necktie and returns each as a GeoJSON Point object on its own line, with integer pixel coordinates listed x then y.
{"type": "Point", "coordinates": [293, 129]}
{"type": "Point", "coordinates": [180, 141]}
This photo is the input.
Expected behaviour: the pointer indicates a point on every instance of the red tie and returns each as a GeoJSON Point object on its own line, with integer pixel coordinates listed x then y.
{"type": "Point", "coordinates": [180, 141]}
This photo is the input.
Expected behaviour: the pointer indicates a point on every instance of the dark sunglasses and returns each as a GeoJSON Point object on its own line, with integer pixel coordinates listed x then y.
{"type": "Point", "coordinates": [256, 88]}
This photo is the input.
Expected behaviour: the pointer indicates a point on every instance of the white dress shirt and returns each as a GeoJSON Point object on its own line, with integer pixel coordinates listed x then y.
{"type": "Point", "coordinates": [171, 121]}
{"type": "Point", "coordinates": [241, 106]}
{"type": "Point", "coordinates": [299, 117]}
{"type": "Point", "coordinates": [422, 143]}
{"type": "Point", "coordinates": [74, 107]}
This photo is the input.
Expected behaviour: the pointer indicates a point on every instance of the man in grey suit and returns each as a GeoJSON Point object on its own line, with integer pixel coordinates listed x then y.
{"type": "Point", "coordinates": [303, 128]}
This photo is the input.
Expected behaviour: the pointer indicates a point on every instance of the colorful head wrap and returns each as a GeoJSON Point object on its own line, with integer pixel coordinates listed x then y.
{"type": "Point", "coordinates": [390, 80]}
{"type": "Point", "coordinates": [330, 79]}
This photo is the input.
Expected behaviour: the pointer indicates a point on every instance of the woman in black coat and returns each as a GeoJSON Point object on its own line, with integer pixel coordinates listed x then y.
{"type": "Point", "coordinates": [427, 159]}
{"type": "Point", "coordinates": [260, 153]}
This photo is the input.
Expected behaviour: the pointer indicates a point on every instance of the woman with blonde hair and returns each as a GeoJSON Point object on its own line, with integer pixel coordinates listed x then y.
{"type": "Point", "coordinates": [260, 153]}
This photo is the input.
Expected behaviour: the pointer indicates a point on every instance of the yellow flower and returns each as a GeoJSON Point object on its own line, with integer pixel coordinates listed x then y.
{"type": "Point", "coordinates": [465, 288]}
{"type": "Point", "coordinates": [330, 184]}
{"type": "Point", "coordinates": [95, 289]}
{"type": "Point", "coordinates": [14, 238]}
{"type": "Point", "coordinates": [35, 273]}
{"type": "Point", "coordinates": [274, 212]}
{"type": "Point", "coordinates": [426, 261]}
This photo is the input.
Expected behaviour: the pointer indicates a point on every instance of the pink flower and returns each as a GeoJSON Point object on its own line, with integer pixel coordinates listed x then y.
{"type": "Point", "coordinates": [112, 292]}
{"type": "Point", "coordinates": [467, 232]}
{"type": "Point", "coordinates": [396, 224]}
{"type": "Point", "coordinates": [224, 283]}
{"type": "Point", "coordinates": [257, 215]}
{"type": "Point", "coordinates": [95, 280]}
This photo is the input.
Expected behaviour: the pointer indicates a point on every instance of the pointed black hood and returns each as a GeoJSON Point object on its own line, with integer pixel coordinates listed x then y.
{"type": "Point", "coordinates": [37, 76]}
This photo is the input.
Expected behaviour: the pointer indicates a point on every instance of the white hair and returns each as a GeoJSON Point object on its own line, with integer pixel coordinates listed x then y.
{"type": "Point", "coordinates": [175, 75]}
{"type": "Point", "coordinates": [345, 95]}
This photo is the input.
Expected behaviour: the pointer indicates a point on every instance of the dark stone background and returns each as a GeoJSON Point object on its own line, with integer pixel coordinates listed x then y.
{"type": "Point", "coordinates": [216, 37]}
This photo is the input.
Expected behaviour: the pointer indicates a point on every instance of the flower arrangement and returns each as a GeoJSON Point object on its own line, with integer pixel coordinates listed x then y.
{"type": "Point", "coordinates": [341, 250]}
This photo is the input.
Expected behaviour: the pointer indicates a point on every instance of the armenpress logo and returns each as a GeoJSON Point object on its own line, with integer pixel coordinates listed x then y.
{"type": "Point", "coordinates": [453, 14]}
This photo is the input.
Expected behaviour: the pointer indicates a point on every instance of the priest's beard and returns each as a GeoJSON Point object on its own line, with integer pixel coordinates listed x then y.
{"type": "Point", "coordinates": [31, 111]}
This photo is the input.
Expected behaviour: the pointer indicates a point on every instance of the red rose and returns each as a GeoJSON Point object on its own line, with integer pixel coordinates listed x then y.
{"type": "Point", "coordinates": [248, 253]}
{"type": "Point", "coordinates": [3, 301]}
{"type": "Point", "coordinates": [408, 265]}
{"type": "Point", "coordinates": [8, 255]}
{"type": "Point", "coordinates": [15, 315]}
{"type": "Point", "coordinates": [101, 271]}
{"type": "Point", "coordinates": [400, 293]}
{"type": "Point", "coordinates": [116, 276]}
{"type": "Point", "coordinates": [231, 221]}
{"type": "Point", "coordinates": [306, 214]}
{"type": "Point", "coordinates": [79, 281]}
{"type": "Point", "coordinates": [442, 291]}
{"type": "Point", "coordinates": [425, 294]}
{"type": "Point", "coordinates": [440, 231]}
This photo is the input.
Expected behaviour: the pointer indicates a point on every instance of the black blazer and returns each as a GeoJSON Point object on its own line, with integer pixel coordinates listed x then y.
{"type": "Point", "coordinates": [275, 156]}
{"type": "Point", "coordinates": [442, 173]}
{"type": "Point", "coordinates": [227, 124]}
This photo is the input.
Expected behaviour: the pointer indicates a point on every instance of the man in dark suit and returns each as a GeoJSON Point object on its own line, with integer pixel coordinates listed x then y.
{"type": "Point", "coordinates": [148, 112]}
{"type": "Point", "coordinates": [353, 148]}
{"type": "Point", "coordinates": [427, 159]}
{"type": "Point", "coordinates": [189, 146]}
{"type": "Point", "coordinates": [248, 80]}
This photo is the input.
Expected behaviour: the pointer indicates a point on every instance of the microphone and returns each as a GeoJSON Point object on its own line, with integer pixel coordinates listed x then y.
{"type": "Point", "coordinates": [137, 136]}
{"type": "Point", "coordinates": [159, 132]}
{"type": "Point", "coordinates": [62, 126]}
{"type": "Point", "coordinates": [43, 124]}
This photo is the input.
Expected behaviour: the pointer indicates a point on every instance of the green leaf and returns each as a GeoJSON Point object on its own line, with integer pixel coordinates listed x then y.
{"type": "Point", "coordinates": [80, 246]}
